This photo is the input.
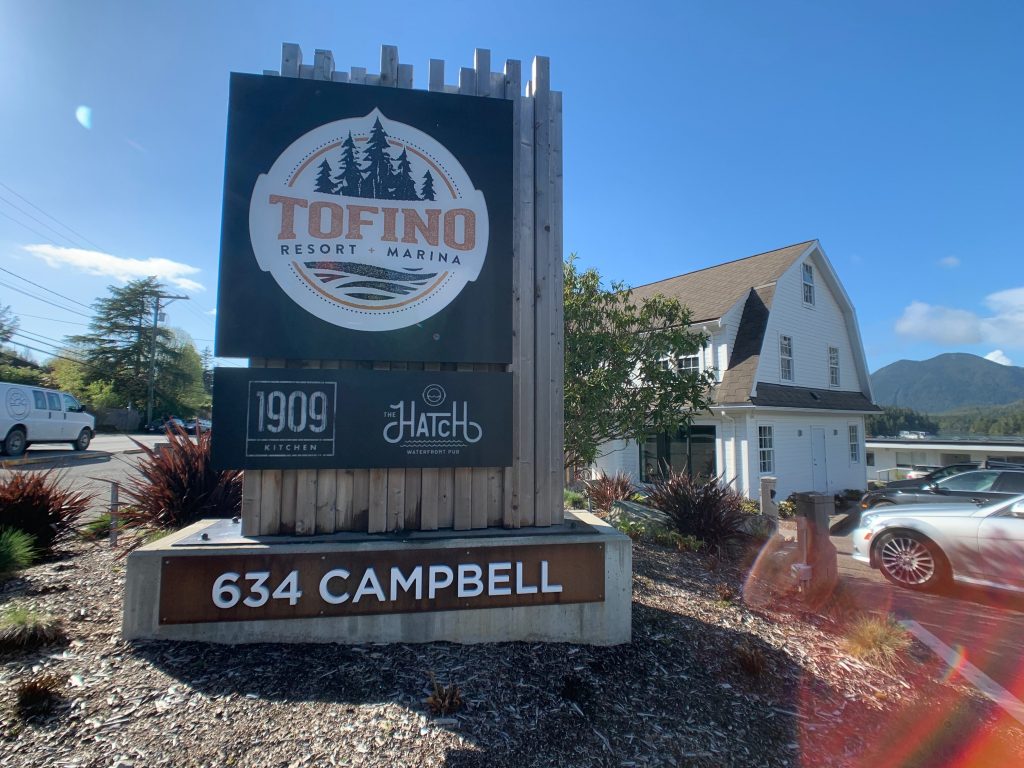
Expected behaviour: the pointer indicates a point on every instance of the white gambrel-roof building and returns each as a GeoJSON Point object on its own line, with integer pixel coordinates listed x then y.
{"type": "Point", "coordinates": [793, 384]}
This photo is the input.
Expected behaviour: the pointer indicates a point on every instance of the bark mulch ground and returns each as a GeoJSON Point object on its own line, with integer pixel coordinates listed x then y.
{"type": "Point", "coordinates": [707, 681]}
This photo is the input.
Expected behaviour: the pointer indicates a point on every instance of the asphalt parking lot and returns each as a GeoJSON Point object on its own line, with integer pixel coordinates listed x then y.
{"type": "Point", "coordinates": [983, 628]}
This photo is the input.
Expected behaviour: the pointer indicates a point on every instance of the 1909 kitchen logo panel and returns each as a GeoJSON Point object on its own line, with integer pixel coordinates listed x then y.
{"type": "Point", "coordinates": [309, 419]}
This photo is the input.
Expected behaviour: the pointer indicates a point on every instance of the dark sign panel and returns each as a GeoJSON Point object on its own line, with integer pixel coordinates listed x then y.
{"type": "Point", "coordinates": [286, 418]}
{"type": "Point", "coordinates": [365, 223]}
{"type": "Point", "coordinates": [258, 587]}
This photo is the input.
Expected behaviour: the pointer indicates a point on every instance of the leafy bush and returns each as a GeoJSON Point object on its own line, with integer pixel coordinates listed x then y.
{"type": "Point", "coordinates": [710, 510]}
{"type": "Point", "coordinates": [631, 528]}
{"type": "Point", "coordinates": [787, 509]}
{"type": "Point", "coordinates": [178, 486]}
{"type": "Point", "coordinates": [573, 499]}
{"type": "Point", "coordinates": [605, 490]}
{"type": "Point", "coordinates": [21, 628]}
{"type": "Point", "coordinates": [17, 551]}
{"type": "Point", "coordinates": [750, 507]}
{"type": "Point", "coordinates": [35, 502]}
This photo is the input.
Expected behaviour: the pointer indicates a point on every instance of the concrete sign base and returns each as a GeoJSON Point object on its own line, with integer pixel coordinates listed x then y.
{"type": "Point", "coordinates": [208, 583]}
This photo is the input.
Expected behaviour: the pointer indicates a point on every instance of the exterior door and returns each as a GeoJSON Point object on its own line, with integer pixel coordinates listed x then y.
{"type": "Point", "coordinates": [43, 426]}
{"type": "Point", "coordinates": [819, 473]}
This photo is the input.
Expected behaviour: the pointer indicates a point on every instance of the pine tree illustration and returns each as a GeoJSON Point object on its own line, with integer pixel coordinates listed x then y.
{"type": "Point", "coordinates": [405, 187]}
{"type": "Point", "coordinates": [323, 178]}
{"type": "Point", "coordinates": [348, 178]}
{"type": "Point", "coordinates": [428, 187]}
{"type": "Point", "coordinates": [377, 181]}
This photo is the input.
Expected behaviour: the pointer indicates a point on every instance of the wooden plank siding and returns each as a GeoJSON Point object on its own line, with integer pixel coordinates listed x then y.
{"type": "Point", "coordinates": [306, 502]}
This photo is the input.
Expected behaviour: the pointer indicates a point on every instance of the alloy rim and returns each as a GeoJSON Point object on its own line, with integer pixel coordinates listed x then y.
{"type": "Point", "coordinates": [908, 560]}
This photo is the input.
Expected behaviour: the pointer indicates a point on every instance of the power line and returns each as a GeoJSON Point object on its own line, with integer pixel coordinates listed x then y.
{"type": "Point", "coordinates": [51, 319]}
{"type": "Point", "coordinates": [47, 238]}
{"type": "Point", "coordinates": [68, 228]}
{"type": "Point", "coordinates": [50, 290]}
{"type": "Point", "coordinates": [23, 332]}
{"type": "Point", "coordinates": [40, 222]}
{"type": "Point", "coordinates": [40, 298]}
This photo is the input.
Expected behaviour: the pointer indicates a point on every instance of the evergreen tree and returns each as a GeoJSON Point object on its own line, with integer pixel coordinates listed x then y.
{"type": "Point", "coordinates": [348, 178]}
{"type": "Point", "coordinates": [8, 323]}
{"type": "Point", "coordinates": [377, 182]}
{"type": "Point", "coordinates": [405, 187]}
{"type": "Point", "coordinates": [207, 358]}
{"type": "Point", "coordinates": [323, 178]}
{"type": "Point", "coordinates": [428, 187]}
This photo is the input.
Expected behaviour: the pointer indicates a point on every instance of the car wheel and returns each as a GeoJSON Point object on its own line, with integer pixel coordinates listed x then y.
{"type": "Point", "coordinates": [908, 559]}
{"type": "Point", "coordinates": [14, 443]}
{"type": "Point", "coordinates": [84, 438]}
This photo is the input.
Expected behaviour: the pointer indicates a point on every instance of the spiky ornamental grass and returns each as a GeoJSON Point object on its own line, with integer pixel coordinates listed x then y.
{"type": "Point", "coordinates": [877, 639]}
{"type": "Point", "coordinates": [38, 504]}
{"type": "Point", "coordinates": [604, 490]}
{"type": "Point", "coordinates": [708, 509]}
{"type": "Point", "coordinates": [178, 486]}
{"type": "Point", "coordinates": [17, 551]}
{"type": "Point", "coordinates": [22, 628]}
{"type": "Point", "coordinates": [37, 695]}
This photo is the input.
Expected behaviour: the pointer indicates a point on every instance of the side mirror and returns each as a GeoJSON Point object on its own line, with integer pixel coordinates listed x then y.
{"type": "Point", "coordinates": [1017, 510]}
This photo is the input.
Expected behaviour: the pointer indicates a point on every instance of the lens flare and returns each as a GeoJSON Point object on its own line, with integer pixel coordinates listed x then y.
{"type": "Point", "coordinates": [84, 117]}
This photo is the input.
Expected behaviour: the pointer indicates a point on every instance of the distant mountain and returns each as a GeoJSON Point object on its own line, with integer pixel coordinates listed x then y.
{"type": "Point", "coordinates": [947, 383]}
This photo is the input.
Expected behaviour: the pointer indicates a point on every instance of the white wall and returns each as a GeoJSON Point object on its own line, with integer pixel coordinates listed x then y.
{"type": "Point", "coordinates": [792, 437]}
{"type": "Point", "coordinates": [813, 330]}
{"type": "Point", "coordinates": [619, 456]}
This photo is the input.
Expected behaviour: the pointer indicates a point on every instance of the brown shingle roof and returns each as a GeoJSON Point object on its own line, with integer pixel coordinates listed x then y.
{"type": "Point", "coordinates": [709, 293]}
{"type": "Point", "coordinates": [738, 378]}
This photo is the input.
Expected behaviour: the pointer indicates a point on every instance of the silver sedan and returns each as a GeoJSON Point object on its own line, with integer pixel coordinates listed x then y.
{"type": "Point", "coordinates": [925, 546]}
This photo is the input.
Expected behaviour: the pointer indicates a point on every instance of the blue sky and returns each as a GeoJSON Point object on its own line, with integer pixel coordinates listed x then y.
{"type": "Point", "coordinates": [695, 133]}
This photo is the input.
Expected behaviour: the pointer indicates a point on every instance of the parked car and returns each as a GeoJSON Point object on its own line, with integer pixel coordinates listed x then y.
{"type": "Point", "coordinates": [37, 415]}
{"type": "Point", "coordinates": [979, 486]}
{"type": "Point", "coordinates": [204, 425]}
{"type": "Point", "coordinates": [924, 546]}
{"type": "Point", "coordinates": [930, 477]}
{"type": "Point", "coordinates": [160, 425]}
{"type": "Point", "coordinates": [921, 470]}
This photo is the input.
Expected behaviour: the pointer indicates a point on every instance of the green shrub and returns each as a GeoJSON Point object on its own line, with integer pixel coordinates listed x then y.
{"type": "Point", "coordinates": [35, 502]}
{"type": "Point", "coordinates": [751, 507]}
{"type": "Point", "coordinates": [17, 551]}
{"type": "Point", "coordinates": [573, 499]}
{"type": "Point", "coordinates": [787, 509]}
{"type": "Point", "coordinates": [632, 529]}
{"type": "Point", "coordinates": [605, 490]}
{"type": "Point", "coordinates": [22, 628]}
{"type": "Point", "coordinates": [98, 528]}
{"type": "Point", "coordinates": [178, 486]}
{"type": "Point", "coordinates": [709, 510]}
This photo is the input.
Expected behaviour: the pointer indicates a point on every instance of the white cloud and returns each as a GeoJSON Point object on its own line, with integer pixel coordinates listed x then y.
{"type": "Point", "coordinates": [117, 267]}
{"type": "Point", "coordinates": [940, 324]}
{"type": "Point", "coordinates": [1003, 325]}
{"type": "Point", "coordinates": [949, 262]}
{"type": "Point", "coordinates": [997, 356]}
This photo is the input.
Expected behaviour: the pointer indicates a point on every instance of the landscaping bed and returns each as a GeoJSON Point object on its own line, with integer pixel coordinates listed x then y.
{"type": "Point", "coordinates": [707, 681]}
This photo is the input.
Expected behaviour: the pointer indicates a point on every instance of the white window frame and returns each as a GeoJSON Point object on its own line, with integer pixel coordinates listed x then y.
{"type": "Point", "coordinates": [785, 341]}
{"type": "Point", "coordinates": [853, 432]}
{"type": "Point", "coordinates": [766, 449]}
{"type": "Point", "coordinates": [807, 285]}
{"type": "Point", "coordinates": [694, 368]}
{"type": "Point", "coordinates": [833, 367]}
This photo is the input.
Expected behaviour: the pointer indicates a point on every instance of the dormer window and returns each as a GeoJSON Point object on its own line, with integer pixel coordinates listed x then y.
{"type": "Point", "coordinates": [786, 358]}
{"type": "Point", "coordinates": [808, 285]}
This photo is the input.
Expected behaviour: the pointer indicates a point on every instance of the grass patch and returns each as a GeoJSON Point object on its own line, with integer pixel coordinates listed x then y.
{"type": "Point", "coordinates": [875, 639]}
{"type": "Point", "coordinates": [37, 695]}
{"type": "Point", "coordinates": [573, 499]}
{"type": "Point", "coordinates": [17, 551]}
{"type": "Point", "coordinates": [97, 529]}
{"type": "Point", "coordinates": [22, 628]}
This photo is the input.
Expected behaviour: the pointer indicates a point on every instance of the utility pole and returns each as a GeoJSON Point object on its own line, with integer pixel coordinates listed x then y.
{"type": "Point", "coordinates": [152, 349]}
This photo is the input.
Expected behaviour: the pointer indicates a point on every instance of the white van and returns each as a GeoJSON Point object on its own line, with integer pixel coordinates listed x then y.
{"type": "Point", "coordinates": [37, 415]}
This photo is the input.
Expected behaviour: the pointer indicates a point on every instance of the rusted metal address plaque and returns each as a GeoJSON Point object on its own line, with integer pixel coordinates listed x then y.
{"type": "Point", "coordinates": [260, 587]}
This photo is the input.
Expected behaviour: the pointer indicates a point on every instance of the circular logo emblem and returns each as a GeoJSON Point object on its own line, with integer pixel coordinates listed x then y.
{"type": "Point", "coordinates": [434, 395]}
{"type": "Point", "coordinates": [17, 404]}
{"type": "Point", "coordinates": [369, 224]}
